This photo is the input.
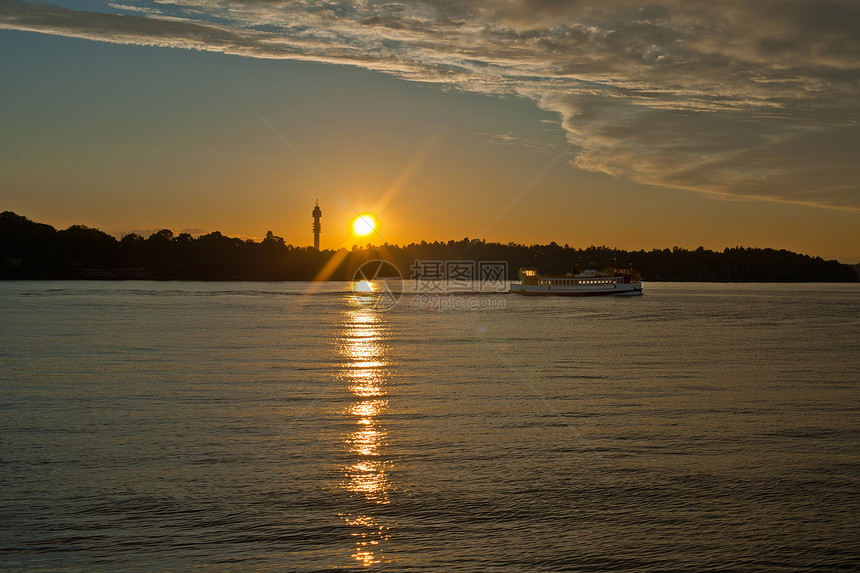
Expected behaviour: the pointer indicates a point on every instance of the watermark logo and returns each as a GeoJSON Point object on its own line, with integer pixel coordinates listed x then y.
{"type": "Point", "coordinates": [435, 284]}
{"type": "Point", "coordinates": [377, 284]}
{"type": "Point", "coordinates": [456, 302]}
{"type": "Point", "coordinates": [458, 285]}
{"type": "Point", "coordinates": [447, 277]}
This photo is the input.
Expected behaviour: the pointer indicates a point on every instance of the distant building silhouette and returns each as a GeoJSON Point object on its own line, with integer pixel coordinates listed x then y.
{"type": "Point", "coordinates": [317, 227]}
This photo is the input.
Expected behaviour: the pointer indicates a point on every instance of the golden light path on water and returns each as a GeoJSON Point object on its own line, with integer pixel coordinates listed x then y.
{"type": "Point", "coordinates": [365, 371]}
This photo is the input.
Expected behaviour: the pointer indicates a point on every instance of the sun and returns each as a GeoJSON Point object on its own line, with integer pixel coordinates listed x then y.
{"type": "Point", "coordinates": [363, 225]}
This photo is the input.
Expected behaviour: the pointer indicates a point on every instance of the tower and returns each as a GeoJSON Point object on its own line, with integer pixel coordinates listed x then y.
{"type": "Point", "coordinates": [317, 227]}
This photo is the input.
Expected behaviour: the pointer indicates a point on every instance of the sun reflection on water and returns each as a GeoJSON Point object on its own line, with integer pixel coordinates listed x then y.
{"type": "Point", "coordinates": [368, 473]}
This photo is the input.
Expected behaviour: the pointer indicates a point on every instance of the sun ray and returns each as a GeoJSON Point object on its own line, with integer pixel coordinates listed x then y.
{"type": "Point", "coordinates": [410, 168]}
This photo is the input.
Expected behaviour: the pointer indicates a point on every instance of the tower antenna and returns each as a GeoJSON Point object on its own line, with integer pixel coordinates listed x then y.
{"type": "Point", "coordinates": [317, 213]}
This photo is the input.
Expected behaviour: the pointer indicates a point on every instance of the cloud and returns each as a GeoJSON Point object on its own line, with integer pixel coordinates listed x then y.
{"type": "Point", "coordinates": [509, 139]}
{"type": "Point", "coordinates": [736, 100]}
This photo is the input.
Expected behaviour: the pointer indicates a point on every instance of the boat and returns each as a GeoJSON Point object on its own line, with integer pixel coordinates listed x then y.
{"type": "Point", "coordinates": [616, 281]}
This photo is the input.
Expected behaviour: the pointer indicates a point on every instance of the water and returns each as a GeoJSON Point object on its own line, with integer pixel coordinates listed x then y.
{"type": "Point", "coordinates": [256, 426]}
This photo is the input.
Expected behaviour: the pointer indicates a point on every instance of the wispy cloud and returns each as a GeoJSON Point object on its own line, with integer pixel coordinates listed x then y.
{"type": "Point", "coordinates": [740, 100]}
{"type": "Point", "coordinates": [509, 139]}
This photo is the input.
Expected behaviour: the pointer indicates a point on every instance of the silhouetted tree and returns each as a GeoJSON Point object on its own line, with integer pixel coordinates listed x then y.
{"type": "Point", "coordinates": [34, 250]}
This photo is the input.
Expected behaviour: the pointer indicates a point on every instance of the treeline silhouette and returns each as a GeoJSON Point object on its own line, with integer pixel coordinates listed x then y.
{"type": "Point", "coordinates": [30, 250]}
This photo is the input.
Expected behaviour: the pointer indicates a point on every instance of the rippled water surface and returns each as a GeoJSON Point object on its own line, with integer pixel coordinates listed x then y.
{"type": "Point", "coordinates": [263, 426]}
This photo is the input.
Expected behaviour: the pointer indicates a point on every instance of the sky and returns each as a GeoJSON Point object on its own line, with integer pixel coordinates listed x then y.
{"type": "Point", "coordinates": [635, 125]}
